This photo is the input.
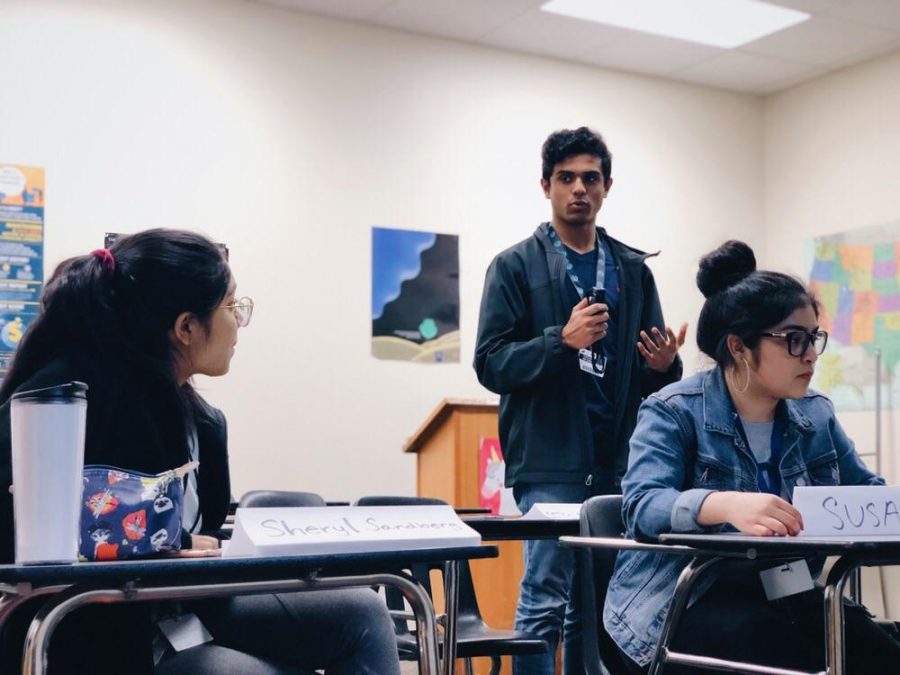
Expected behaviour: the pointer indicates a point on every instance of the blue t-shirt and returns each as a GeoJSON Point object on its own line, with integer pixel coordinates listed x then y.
{"type": "Point", "coordinates": [600, 391]}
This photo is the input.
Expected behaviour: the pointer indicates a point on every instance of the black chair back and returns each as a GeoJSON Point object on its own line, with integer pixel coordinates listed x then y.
{"type": "Point", "coordinates": [469, 613]}
{"type": "Point", "coordinates": [601, 516]}
{"type": "Point", "coordinates": [474, 637]}
{"type": "Point", "coordinates": [421, 571]}
{"type": "Point", "coordinates": [380, 500]}
{"type": "Point", "coordinates": [263, 498]}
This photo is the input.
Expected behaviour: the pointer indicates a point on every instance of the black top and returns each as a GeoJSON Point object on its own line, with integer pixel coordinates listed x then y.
{"type": "Point", "coordinates": [131, 426]}
{"type": "Point", "coordinates": [60, 392]}
{"type": "Point", "coordinates": [135, 423]}
{"type": "Point", "coordinates": [600, 392]}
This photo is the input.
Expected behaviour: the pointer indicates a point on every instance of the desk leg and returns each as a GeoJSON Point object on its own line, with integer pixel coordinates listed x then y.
{"type": "Point", "coordinates": [451, 605]}
{"type": "Point", "coordinates": [680, 597]}
{"type": "Point", "coordinates": [834, 615]}
{"type": "Point", "coordinates": [12, 597]}
{"type": "Point", "coordinates": [34, 660]}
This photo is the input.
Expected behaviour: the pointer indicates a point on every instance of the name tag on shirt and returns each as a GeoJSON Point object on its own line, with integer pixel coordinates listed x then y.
{"type": "Point", "coordinates": [786, 579]}
{"type": "Point", "coordinates": [586, 363]}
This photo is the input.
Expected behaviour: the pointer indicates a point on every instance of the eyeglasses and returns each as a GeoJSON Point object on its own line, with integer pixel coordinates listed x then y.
{"type": "Point", "coordinates": [798, 341]}
{"type": "Point", "coordinates": [243, 310]}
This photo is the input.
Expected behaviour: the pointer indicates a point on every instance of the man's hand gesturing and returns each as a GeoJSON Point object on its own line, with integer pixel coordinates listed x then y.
{"type": "Point", "coordinates": [660, 350]}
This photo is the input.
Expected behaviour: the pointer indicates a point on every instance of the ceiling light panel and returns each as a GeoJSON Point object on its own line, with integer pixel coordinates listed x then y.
{"type": "Point", "coordinates": [719, 23]}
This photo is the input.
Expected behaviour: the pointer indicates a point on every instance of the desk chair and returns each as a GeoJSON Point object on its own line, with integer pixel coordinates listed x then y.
{"type": "Point", "coordinates": [601, 516]}
{"type": "Point", "coordinates": [212, 658]}
{"type": "Point", "coordinates": [256, 499]}
{"type": "Point", "coordinates": [261, 498]}
{"type": "Point", "coordinates": [474, 638]}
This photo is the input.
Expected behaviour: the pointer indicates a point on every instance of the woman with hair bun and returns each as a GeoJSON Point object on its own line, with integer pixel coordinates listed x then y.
{"type": "Point", "coordinates": [722, 451]}
{"type": "Point", "coordinates": [136, 323]}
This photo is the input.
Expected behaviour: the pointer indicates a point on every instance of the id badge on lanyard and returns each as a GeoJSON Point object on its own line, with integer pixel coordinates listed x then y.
{"type": "Point", "coordinates": [592, 362]}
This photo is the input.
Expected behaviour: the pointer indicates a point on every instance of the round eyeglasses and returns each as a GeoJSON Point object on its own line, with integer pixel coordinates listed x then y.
{"type": "Point", "coordinates": [798, 341]}
{"type": "Point", "coordinates": [243, 310]}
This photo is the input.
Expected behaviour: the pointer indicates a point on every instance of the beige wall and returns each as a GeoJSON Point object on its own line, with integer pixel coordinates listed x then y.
{"type": "Point", "coordinates": [831, 149]}
{"type": "Point", "coordinates": [831, 164]}
{"type": "Point", "coordinates": [288, 136]}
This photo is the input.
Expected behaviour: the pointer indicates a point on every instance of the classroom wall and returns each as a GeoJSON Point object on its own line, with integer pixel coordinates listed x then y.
{"type": "Point", "coordinates": [831, 149]}
{"type": "Point", "coordinates": [288, 136]}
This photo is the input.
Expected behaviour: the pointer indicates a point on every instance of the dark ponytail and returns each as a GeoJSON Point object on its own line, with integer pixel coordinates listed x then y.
{"type": "Point", "coordinates": [114, 309]}
{"type": "Point", "coordinates": [74, 316]}
{"type": "Point", "coordinates": [741, 300]}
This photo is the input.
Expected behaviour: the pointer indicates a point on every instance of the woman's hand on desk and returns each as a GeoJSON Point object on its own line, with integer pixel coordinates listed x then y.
{"type": "Point", "coordinates": [202, 542]}
{"type": "Point", "coordinates": [756, 513]}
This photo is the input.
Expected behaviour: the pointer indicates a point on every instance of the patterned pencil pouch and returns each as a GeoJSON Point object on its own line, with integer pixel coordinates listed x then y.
{"type": "Point", "coordinates": [126, 514]}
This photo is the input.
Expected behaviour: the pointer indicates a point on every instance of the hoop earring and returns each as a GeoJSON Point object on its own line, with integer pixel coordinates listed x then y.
{"type": "Point", "coordinates": [741, 390]}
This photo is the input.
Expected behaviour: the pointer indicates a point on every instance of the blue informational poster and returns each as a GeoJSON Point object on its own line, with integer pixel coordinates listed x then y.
{"type": "Point", "coordinates": [415, 296]}
{"type": "Point", "coordinates": [21, 253]}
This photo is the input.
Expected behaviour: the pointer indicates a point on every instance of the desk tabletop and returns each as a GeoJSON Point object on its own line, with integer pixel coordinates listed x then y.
{"type": "Point", "coordinates": [786, 546]}
{"type": "Point", "coordinates": [500, 528]}
{"type": "Point", "coordinates": [215, 570]}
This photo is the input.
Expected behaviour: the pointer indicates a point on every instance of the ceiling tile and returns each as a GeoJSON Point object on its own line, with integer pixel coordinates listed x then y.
{"type": "Point", "coordinates": [788, 82]}
{"type": "Point", "coordinates": [746, 72]}
{"type": "Point", "coordinates": [822, 41]}
{"type": "Point", "coordinates": [840, 33]}
{"type": "Point", "coordinates": [459, 19]}
{"type": "Point", "coordinates": [876, 13]}
{"type": "Point", "coordinates": [649, 54]}
{"type": "Point", "coordinates": [351, 9]}
{"type": "Point", "coordinates": [550, 34]}
{"type": "Point", "coordinates": [809, 6]}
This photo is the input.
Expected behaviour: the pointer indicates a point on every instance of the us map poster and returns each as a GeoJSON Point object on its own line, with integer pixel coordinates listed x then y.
{"type": "Point", "coordinates": [856, 277]}
{"type": "Point", "coordinates": [21, 253]}
{"type": "Point", "coordinates": [415, 296]}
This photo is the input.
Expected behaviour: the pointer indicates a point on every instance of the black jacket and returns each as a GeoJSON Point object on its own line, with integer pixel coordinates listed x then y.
{"type": "Point", "coordinates": [544, 429]}
{"type": "Point", "coordinates": [130, 426]}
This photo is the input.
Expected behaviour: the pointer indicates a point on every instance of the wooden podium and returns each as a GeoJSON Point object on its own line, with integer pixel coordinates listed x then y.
{"type": "Point", "coordinates": [447, 445]}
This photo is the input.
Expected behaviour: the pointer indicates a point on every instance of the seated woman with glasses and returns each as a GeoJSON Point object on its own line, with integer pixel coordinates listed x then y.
{"type": "Point", "coordinates": [722, 451]}
{"type": "Point", "coordinates": [135, 323]}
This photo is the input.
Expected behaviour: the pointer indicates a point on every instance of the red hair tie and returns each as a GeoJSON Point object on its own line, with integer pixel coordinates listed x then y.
{"type": "Point", "coordinates": [106, 257]}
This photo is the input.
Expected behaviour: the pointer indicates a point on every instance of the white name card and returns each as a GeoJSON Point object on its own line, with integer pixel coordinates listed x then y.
{"type": "Point", "coordinates": [346, 529]}
{"type": "Point", "coordinates": [847, 511]}
{"type": "Point", "coordinates": [544, 511]}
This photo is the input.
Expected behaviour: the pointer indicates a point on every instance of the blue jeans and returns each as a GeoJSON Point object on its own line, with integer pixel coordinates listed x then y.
{"type": "Point", "coordinates": [548, 600]}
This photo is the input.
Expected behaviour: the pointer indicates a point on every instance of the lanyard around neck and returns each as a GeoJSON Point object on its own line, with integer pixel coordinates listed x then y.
{"type": "Point", "coordinates": [768, 474]}
{"type": "Point", "coordinates": [570, 267]}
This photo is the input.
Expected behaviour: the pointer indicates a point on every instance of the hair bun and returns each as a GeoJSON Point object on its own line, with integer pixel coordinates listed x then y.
{"type": "Point", "coordinates": [728, 265]}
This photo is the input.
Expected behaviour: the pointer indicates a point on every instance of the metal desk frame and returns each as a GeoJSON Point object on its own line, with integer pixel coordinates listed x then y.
{"type": "Point", "coordinates": [181, 579]}
{"type": "Point", "coordinates": [709, 550]}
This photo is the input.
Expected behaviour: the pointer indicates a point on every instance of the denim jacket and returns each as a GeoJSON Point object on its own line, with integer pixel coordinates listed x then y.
{"type": "Point", "coordinates": [687, 444]}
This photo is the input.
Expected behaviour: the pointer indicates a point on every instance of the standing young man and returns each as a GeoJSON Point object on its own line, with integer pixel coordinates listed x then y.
{"type": "Point", "coordinates": [570, 373]}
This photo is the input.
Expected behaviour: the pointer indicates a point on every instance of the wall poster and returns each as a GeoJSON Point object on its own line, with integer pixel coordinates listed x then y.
{"type": "Point", "coordinates": [856, 277]}
{"type": "Point", "coordinates": [415, 296]}
{"type": "Point", "coordinates": [493, 494]}
{"type": "Point", "coordinates": [21, 253]}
